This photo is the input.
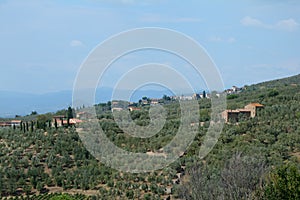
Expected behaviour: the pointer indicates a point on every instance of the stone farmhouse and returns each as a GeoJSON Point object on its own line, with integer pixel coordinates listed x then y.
{"type": "Point", "coordinates": [11, 123]}
{"type": "Point", "coordinates": [248, 111]}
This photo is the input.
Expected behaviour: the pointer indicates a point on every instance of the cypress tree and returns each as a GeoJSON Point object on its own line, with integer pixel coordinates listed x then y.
{"type": "Point", "coordinates": [55, 123]}
{"type": "Point", "coordinates": [27, 126]}
{"type": "Point", "coordinates": [31, 126]}
{"type": "Point", "coordinates": [37, 124]}
{"type": "Point", "coordinates": [204, 94]}
{"type": "Point", "coordinates": [70, 113]}
{"type": "Point", "coordinates": [24, 128]}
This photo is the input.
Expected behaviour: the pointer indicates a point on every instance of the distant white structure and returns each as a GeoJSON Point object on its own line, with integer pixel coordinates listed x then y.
{"type": "Point", "coordinates": [233, 90]}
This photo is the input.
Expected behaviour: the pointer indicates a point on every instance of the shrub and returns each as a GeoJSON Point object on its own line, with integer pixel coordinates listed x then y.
{"type": "Point", "coordinates": [284, 183]}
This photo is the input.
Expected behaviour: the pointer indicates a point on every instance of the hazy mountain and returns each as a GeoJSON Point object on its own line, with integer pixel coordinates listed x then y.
{"type": "Point", "coordinates": [19, 103]}
{"type": "Point", "coordinates": [22, 103]}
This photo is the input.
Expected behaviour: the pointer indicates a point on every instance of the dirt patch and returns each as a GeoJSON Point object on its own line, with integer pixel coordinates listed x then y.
{"type": "Point", "coordinates": [72, 191]}
{"type": "Point", "coordinates": [297, 155]}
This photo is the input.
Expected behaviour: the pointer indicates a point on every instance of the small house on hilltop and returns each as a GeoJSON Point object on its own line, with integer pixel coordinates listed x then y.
{"type": "Point", "coordinates": [116, 109]}
{"type": "Point", "coordinates": [253, 108]}
{"type": "Point", "coordinates": [132, 108]}
{"type": "Point", "coordinates": [154, 101]}
{"type": "Point", "coordinates": [248, 111]}
{"type": "Point", "coordinates": [83, 115]}
{"type": "Point", "coordinates": [61, 120]}
{"type": "Point", "coordinates": [5, 124]}
{"type": "Point", "coordinates": [58, 119]}
{"type": "Point", "coordinates": [230, 115]}
{"type": "Point", "coordinates": [74, 121]}
{"type": "Point", "coordinates": [15, 122]}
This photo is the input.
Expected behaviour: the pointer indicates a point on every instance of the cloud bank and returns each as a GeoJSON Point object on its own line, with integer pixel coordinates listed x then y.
{"type": "Point", "coordinates": [284, 24]}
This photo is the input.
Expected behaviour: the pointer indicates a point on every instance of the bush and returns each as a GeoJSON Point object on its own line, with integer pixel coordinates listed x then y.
{"type": "Point", "coordinates": [284, 183]}
{"type": "Point", "coordinates": [62, 197]}
{"type": "Point", "coordinates": [232, 96]}
{"type": "Point", "coordinates": [273, 93]}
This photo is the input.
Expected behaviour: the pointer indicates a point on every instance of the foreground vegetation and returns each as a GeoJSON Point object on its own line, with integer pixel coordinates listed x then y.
{"type": "Point", "coordinates": [255, 159]}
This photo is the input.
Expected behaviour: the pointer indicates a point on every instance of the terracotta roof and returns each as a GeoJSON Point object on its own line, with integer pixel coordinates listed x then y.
{"type": "Point", "coordinates": [16, 121]}
{"type": "Point", "coordinates": [59, 116]}
{"type": "Point", "coordinates": [256, 104]}
{"type": "Point", "coordinates": [134, 108]}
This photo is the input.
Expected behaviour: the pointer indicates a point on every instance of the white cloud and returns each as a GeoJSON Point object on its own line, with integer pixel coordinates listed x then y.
{"type": "Point", "coordinates": [284, 25]}
{"type": "Point", "coordinates": [288, 25]}
{"type": "Point", "coordinates": [76, 43]}
{"type": "Point", "coordinates": [220, 39]}
{"type": "Point", "coordinates": [231, 40]}
{"type": "Point", "coordinates": [249, 21]}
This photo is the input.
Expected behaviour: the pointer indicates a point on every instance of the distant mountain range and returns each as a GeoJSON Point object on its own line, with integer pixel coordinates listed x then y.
{"type": "Point", "coordinates": [22, 103]}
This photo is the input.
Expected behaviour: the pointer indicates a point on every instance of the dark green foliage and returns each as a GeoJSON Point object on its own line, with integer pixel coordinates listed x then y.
{"type": "Point", "coordinates": [32, 124]}
{"type": "Point", "coordinates": [55, 123]}
{"type": "Point", "coordinates": [33, 113]}
{"type": "Point", "coordinates": [70, 113]}
{"type": "Point", "coordinates": [42, 120]}
{"type": "Point", "coordinates": [166, 98]}
{"type": "Point", "coordinates": [283, 183]}
{"type": "Point", "coordinates": [232, 96]}
{"type": "Point", "coordinates": [27, 126]}
{"type": "Point", "coordinates": [63, 197]}
{"type": "Point", "coordinates": [273, 93]}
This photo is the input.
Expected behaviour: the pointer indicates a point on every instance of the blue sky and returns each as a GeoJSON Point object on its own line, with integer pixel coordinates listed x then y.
{"type": "Point", "coordinates": [43, 43]}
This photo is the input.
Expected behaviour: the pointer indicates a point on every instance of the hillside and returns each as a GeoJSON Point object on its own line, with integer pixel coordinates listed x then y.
{"type": "Point", "coordinates": [251, 160]}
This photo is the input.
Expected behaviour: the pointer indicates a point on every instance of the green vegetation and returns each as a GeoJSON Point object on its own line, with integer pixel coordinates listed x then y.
{"type": "Point", "coordinates": [258, 158]}
{"type": "Point", "coordinates": [283, 183]}
{"type": "Point", "coordinates": [232, 96]}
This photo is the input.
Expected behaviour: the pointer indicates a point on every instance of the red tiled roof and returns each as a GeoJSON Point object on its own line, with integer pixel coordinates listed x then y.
{"type": "Point", "coordinates": [59, 116]}
{"type": "Point", "coordinates": [256, 104]}
{"type": "Point", "coordinates": [134, 108]}
{"type": "Point", "coordinates": [16, 121]}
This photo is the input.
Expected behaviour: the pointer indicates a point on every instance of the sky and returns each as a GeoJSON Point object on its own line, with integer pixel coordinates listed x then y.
{"type": "Point", "coordinates": [43, 43]}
